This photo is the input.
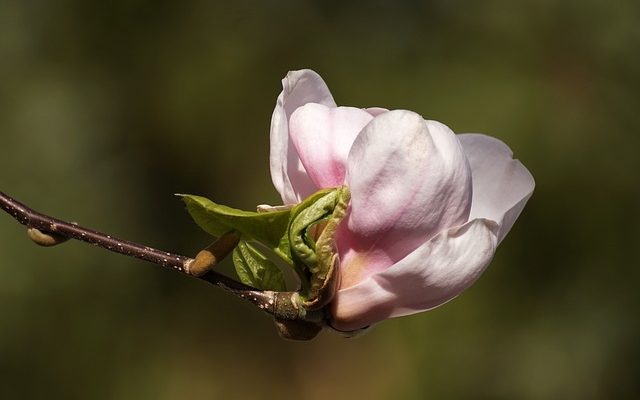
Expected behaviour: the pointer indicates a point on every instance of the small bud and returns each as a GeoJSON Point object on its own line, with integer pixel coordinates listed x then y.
{"type": "Point", "coordinates": [213, 254]}
{"type": "Point", "coordinates": [47, 239]}
{"type": "Point", "coordinates": [350, 334]}
{"type": "Point", "coordinates": [297, 329]}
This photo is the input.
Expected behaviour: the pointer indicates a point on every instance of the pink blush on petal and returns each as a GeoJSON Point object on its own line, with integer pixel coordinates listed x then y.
{"type": "Point", "coordinates": [358, 258]}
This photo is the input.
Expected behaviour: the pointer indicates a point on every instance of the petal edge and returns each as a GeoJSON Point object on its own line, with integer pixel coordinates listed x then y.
{"type": "Point", "coordinates": [501, 185]}
{"type": "Point", "coordinates": [287, 173]}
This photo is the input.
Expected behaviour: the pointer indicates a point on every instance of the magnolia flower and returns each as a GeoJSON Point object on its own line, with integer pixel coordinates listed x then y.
{"type": "Point", "coordinates": [428, 207]}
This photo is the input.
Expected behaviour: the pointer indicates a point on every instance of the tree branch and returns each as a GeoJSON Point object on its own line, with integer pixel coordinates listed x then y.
{"type": "Point", "coordinates": [53, 229]}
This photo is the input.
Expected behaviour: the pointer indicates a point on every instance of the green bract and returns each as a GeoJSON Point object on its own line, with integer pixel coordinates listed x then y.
{"type": "Point", "coordinates": [303, 237]}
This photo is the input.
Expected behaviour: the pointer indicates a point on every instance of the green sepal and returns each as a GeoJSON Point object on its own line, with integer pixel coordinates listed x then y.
{"type": "Point", "coordinates": [284, 249]}
{"type": "Point", "coordinates": [325, 276]}
{"type": "Point", "coordinates": [215, 219]}
{"type": "Point", "coordinates": [254, 269]}
{"type": "Point", "coordinates": [301, 242]}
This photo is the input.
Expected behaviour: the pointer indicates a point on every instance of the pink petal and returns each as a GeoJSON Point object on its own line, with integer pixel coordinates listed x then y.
{"type": "Point", "coordinates": [501, 185]}
{"type": "Point", "coordinates": [323, 137]}
{"type": "Point", "coordinates": [409, 180]}
{"type": "Point", "coordinates": [433, 274]}
{"type": "Point", "coordinates": [288, 175]}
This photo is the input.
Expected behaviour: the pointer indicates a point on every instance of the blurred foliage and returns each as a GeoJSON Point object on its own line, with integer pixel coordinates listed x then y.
{"type": "Point", "coordinates": [107, 108]}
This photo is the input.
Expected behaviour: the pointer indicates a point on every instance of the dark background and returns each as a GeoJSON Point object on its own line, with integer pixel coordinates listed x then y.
{"type": "Point", "coordinates": [107, 108]}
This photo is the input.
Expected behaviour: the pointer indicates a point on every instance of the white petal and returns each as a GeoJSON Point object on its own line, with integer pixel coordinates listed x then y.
{"type": "Point", "coordinates": [375, 111]}
{"type": "Point", "coordinates": [433, 274]}
{"type": "Point", "coordinates": [501, 185]}
{"type": "Point", "coordinates": [409, 180]}
{"type": "Point", "coordinates": [323, 137]}
{"type": "Point", "coordinates": [288, 175]}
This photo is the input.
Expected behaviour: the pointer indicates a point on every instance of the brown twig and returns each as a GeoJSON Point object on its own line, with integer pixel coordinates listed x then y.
{"type": "Point", "coordinates": [41, 224]}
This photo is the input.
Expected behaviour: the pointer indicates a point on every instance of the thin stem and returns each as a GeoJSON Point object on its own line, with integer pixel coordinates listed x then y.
{"type": "Point", "coordinates": [48, 225]}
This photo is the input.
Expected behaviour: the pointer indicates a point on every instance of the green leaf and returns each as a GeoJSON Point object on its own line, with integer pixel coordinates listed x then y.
{"type": "Point", "coordinates": [326, 251]}
{"type": "Point", "coordinates": [269, 228]}
{"type": "Point", "coordinates": [284, 247]}
{"type": "Point", "coordinates": [216, 219]}
{"type": "Point", "coordinates": [256, 270]}
{"type": "Point", "coordinates": [301, 243]}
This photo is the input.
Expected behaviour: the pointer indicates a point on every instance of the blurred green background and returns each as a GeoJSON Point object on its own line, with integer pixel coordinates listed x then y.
{"type": "Point", "coordinates": [107, 108]}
